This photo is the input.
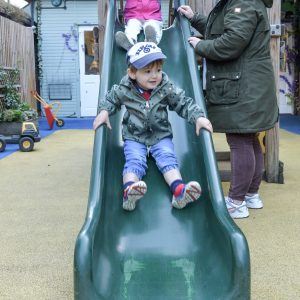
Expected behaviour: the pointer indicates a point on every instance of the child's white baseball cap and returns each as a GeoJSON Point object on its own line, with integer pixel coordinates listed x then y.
{"type": "Point", "coordinates": [143, 53]}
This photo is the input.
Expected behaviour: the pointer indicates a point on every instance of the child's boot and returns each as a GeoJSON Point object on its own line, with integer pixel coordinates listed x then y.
{"type": "Point", "coordinates": [133, 193]}
{"type": "Point", "coordinates": [122, 40]}
{"type": "Point", "coordinates": [190, 193]}
{"type": "Point", "coordinates": [150, 34]}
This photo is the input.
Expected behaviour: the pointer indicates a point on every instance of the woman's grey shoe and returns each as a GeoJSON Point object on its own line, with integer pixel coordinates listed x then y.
{"type": "Point", "coordinates": [122, 40]}
{"type": "Point", "coordinates": [253, 201]}
{"type": "Point", "coordinates": [150, 34]}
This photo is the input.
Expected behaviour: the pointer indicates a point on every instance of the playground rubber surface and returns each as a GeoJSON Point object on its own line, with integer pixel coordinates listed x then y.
{"type": "Point", "coordinates": [43, 204]}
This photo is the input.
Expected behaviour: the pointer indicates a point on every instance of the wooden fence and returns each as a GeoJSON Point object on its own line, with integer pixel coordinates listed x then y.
{"type": "Point", "coordinates": [17, 51]}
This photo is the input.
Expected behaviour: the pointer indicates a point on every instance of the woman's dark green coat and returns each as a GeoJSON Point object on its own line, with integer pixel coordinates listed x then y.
{"type": "Point", "coordinates": [240, 85]}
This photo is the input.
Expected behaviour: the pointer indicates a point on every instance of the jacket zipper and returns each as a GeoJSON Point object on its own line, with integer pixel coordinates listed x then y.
{"type": "Point", "coordinates": [147, 103]}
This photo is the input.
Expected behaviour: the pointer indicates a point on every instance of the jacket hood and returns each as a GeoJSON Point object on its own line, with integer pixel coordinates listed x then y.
{"type": "Point", "coordinates": [268, 3]}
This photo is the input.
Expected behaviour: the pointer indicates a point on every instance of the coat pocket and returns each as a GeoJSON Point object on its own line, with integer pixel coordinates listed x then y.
{"type": "Point", "coordinates": [223, 88]}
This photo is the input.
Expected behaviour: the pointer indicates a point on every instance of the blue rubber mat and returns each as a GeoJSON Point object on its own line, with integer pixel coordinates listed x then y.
{"type": "Point", "coordinates": [70, 123]}
{"type": "Point", "coordinates": [290, 123]}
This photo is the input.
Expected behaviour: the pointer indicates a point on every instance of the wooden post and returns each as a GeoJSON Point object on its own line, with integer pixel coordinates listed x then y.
{"type": "Point", "coordinates": [272, 165]}
{"type": "Point", "coordinates": [171, 13]}
{"type": "Point", "coordinates": [102, 9]}
{"type": "Point", "coordinates": [203, 6]}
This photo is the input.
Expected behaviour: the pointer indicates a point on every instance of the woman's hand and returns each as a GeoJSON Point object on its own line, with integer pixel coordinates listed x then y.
{"type": "Point", "coordinates": [186, 11]}
{"type": "Point", "coordinates": [193, 41]}
{"type": "Point", "coordinates": [202, 122]}
{"type": "Point", "coordinates": [102, 118]}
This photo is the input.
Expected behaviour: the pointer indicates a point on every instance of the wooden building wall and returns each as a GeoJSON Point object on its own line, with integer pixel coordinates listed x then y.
{"type": "Point", "coordinates": [60, 48]}
{"type": "Point", "coordinates": [17, 50]}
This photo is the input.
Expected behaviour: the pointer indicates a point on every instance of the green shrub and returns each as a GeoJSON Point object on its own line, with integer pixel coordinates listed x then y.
{"type": "Point", "coordinates": [18, 115]}
{"type": "Point", "coordinates": [29, 115]}
{"type": "Point", "coordinates": [8, 115]}
{"type": "Point", "coordinates": [23, 106]}
{"type": "Point", "coordinates": [14, 109]}
{"type": "Point", "coordinates": [12, 98]}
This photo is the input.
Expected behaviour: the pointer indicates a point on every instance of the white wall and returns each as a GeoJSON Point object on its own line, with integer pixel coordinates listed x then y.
{"type": "Point", "coordinates": [60, 56]}
{"type": "Point", "coordinates": [61, 61]}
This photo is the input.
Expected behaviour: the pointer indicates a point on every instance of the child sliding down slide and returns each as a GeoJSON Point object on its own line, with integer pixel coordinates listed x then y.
{"type": "Point", "coordinates": [147, 94]}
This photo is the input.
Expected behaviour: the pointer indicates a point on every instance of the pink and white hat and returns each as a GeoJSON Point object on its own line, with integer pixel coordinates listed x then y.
{"type": "Point", "coordinates": [143, 53]}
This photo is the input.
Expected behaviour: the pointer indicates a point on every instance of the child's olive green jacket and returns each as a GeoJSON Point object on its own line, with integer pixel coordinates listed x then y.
{"type": "Point", "coordinates": [240, 85]}
{"type": "Point", "coordinates": [147, 121]}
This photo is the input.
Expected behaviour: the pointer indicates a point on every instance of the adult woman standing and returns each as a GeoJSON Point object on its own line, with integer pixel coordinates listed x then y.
{"type": "Point", "coordinates": [240, 88]}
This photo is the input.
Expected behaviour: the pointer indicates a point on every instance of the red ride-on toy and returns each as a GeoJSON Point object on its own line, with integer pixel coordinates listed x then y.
{"type": "Point", "coordinates": [50, 116]}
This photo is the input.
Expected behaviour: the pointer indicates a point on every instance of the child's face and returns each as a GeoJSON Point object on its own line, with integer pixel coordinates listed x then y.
{"type": "Point", "coordinates": [149, 77]}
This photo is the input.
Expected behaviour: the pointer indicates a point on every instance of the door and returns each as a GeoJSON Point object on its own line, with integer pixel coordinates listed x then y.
{"type": "Point", "coordinates": [89, 72]}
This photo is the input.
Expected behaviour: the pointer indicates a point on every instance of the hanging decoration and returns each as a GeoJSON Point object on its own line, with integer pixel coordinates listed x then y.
{"type": "Point", "coordinates": [68, 39]}
{"type": "Point", "coordinates": [291, 81]}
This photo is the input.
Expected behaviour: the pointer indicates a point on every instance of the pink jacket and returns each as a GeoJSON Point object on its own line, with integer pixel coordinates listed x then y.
{"type": "Point", "coordinates": [142, 10]}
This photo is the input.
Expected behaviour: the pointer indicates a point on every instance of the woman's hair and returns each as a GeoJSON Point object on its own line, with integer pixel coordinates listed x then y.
{"type": "Point", "coordinates": [158, 63]}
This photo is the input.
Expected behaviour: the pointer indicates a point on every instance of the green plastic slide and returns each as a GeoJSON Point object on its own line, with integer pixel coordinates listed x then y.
{"type": "Point", "coordinates": [157, 252]}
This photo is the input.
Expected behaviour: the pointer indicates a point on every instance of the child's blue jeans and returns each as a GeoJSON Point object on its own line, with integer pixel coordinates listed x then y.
{"type": "Point", "coordinates": [136, 157]}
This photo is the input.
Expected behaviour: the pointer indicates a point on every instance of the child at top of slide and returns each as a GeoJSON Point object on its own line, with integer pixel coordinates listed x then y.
{"type": "Point", "coordinates": [140, 15]}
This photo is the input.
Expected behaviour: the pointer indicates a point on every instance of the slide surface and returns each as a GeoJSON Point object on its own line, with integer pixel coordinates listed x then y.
{"type": "Point", "coordinates": [157, 252]}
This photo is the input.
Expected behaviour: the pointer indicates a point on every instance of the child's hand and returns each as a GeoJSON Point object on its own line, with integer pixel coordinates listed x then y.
{"type": "Point", "coordinates": [186, 11]}
{"type": "Point", "coordinates": [102, 118]}
{"type": "Point", "coordinates": [202, 122]}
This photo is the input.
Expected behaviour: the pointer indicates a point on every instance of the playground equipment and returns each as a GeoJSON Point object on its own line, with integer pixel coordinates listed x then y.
{"type": "Point", "coordinates": [157, 252]}
{"type": "Point", "coordinates": [50, 116]}
{"type": "Point", "coordinates": [25, 134]}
